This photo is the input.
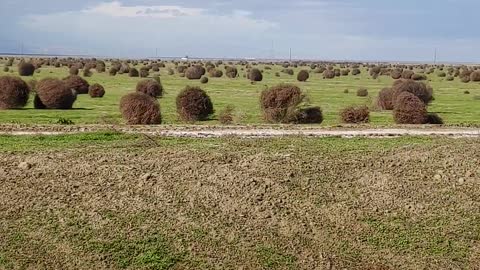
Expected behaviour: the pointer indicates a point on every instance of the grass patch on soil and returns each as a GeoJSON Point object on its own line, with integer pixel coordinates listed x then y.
{"type": "Point", "coordinates": [270, 258]}
{"type": "Point", "coordinates": [152, 252]}
{"type": "Point", "coordinates": [4, 262]}
{"type": "Point", "coordinates": [39, 142]}
{"type": "Point", "coordinates": [117, 139]}
{"type": "Point", "coordinates": [405, 235]}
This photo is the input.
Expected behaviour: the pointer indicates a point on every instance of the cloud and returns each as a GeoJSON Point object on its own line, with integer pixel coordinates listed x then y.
{"type": "Point", "coordinates": [117, 9]}
{"type": "Point", "coordinates": [320, 29]}
{"type": "Point", "coordinates": [117, 12]}
{"type": "Point", "coordinates": [112, 28]}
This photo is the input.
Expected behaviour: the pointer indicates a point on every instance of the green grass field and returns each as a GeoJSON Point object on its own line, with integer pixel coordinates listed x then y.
{"type": "Point", "coordinates": [455, 107]}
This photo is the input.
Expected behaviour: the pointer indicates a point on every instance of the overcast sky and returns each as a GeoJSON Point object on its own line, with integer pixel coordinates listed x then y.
{"type": "Point", "coordinates": [407, 30]}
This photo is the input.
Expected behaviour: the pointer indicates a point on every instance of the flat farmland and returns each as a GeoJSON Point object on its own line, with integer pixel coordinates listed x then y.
{"type": "Point", "coordinates": [116, 201]}
{"type": "Point", "coordinates": [455, 107]}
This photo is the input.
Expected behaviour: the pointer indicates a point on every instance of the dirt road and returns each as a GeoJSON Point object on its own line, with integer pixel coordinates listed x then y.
{"type": "Point", "coordinates": [244, 131]}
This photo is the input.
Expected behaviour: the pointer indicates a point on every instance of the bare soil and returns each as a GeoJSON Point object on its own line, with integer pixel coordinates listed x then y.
{"type": "Point", "coordinates": [243, 204]}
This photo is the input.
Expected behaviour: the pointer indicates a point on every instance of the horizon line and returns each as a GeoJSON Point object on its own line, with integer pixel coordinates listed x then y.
{"type": "Point", "coordinates": [251, 59]}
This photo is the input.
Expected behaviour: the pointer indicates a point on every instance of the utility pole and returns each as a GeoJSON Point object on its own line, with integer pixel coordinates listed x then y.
{"type": "Point", "coordinates": [272, 51]}
{"type": "Point", "coordinates": [156, 52]}
{"type": "Point", "coordinates": [21, 48]}
{"type": "Point", "coordinates": [435, 57]}
{"type": "Point", "coordinates": [290, 54]}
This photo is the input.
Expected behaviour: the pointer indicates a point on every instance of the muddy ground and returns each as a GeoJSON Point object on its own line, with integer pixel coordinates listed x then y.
{"type": "Point", "coordinates": [236, 203]}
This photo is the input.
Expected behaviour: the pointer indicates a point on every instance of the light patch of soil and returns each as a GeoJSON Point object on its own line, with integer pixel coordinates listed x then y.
{"type": "Point", "coordinates": [242, 205]}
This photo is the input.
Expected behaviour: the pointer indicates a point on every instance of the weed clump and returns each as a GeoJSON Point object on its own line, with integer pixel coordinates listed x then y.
{"type": "Point", "coordinates": [144, 72]}
{"type": "Point", "coordinates": [14, 92]}
{"type": "Point", "coordinates": [193, 104]}
{"type": "Point", "coordinates": [255, 75]}
{"type": "Point", "coordinates": [215, 73]}
{"type": "Point", "coordinates": [475, 76]}
{"type": "Point", "coordinates": [231, 72]}
{"type": "Point", "coordinates": [96, 90]}
{"type": "Point", "coordinates": [77, 83]}
{"type": "Point", "coordinates": [396, 74]}
{"type": "Point", "coordinates": [133, 72]}
{"type": "Point", "coordinates": [356, 71]}
{"type": "Point", "coordinates": [73, 70]}
{"type": "Point", "coordinates": [355, 115]}
{"type": "Point", "coordinates": [226, 115]}
{"type": "Point", "coordinates": [407, 74]}
{"type": "Point", "coordinates": [281, 104]}
{"type": "Point", "coordinates": [140, 109]}
{"type": "Point", "coordinates": [150, 87]}
{"type": "Point", "coordinates": [26, 69]}
{"type": "Point", "coordinates": [54, 94]}
{"type": "Point", "coordinates": [362, 92]}
{"type": "Point", "coordinates": [194, 72]}
{"type": "Point", "coordinates": [418, 77]}
{"type": "Point", "coordinates": [409, 109]}
{"type": "Point", "coordinates": [385, 99]}
{"type": "Point", "coordinates": [419, 89]}
{"type": "Point", "coordinates": [303, 76]}
{"type": "Point", "coordinates": [113, 71]}
{"type": "Point", "coordinates": [328, 74]}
